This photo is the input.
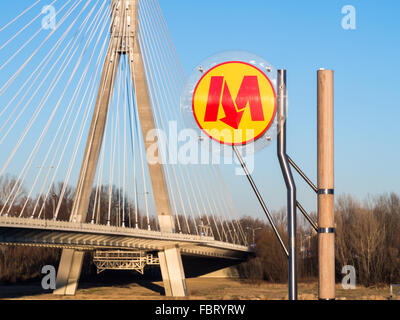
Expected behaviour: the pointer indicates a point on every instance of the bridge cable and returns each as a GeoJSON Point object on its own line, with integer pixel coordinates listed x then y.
{"type": "Point", "coordinates": [157, 19]}
{"type": "Point", "coordinates": [23, 135]}
{"type": "Point", "coordinates": [156, 103]}
{"type": "Point", "coordinates": [20, 141]}
{"type": "Point", "coordinates": [163, 51]}
{"type": "Point", "coordinates": [166, 90]}
{"type": "Point", "coordinates": [15, 75]}
{"type": "Point", "coordinates": [167, 105]}
{"type": "Point", "coordinates": [90, 138]}
{"type": "Point", "coordinates": [167, 35]}
{"type": "Point", "coordinates": [84, 121]}
{"type": "Point", "coordinates": [70, 108]}
{"type": "Point", "coordinates": [20, 15]}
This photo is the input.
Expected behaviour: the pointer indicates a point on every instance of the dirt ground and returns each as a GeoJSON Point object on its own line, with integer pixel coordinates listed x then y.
{"type": "Point", "coordinates": [199, 289]}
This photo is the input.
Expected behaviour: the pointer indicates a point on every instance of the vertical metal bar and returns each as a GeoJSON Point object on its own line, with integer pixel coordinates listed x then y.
{"type": "Point", "coordinates": [289, 181]}
{"type": "Point", "coordinates": [260, 199]}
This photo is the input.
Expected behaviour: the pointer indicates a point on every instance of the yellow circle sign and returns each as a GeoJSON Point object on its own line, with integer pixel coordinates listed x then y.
{"type": "Point", "coordinates": [234, 103]}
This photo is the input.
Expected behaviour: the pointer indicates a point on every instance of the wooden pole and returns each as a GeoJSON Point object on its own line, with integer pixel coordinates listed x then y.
{"type": "Point", "coordinates": [326, 235]}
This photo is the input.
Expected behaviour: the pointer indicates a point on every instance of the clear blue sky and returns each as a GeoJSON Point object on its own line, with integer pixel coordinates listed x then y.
{"type": "Point", "coordinates": [302, 36]}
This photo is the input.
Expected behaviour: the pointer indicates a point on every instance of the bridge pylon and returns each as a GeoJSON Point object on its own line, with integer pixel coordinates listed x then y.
{"type": "Point", "coordinates": [123, 41]}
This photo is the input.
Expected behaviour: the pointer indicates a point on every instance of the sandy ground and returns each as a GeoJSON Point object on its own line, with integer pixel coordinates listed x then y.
{"type": "Point", "coordinates": [199, 288]}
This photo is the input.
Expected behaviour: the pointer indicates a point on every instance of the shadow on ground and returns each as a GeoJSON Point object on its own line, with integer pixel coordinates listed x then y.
{"type": "Point", "coordinates": [105, 279]}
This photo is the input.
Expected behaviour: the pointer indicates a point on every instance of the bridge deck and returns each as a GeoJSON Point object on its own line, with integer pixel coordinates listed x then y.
{"type": "Point", "coordinates": [84, 236]}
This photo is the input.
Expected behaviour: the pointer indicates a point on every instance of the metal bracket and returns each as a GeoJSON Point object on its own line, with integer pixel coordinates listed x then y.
{"type": "Point", "coordinates": [307, 216]}
{"type": "Point", "coordinates": [326, 191]}
{"type": "Point", "coordinates": [326, 230]}
{"type": "Point", "coordinates": [302, 174]}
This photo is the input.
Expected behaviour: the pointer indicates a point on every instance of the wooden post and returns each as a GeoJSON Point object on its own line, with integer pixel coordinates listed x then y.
{"type": "Point", "coordinates": [326, 235]}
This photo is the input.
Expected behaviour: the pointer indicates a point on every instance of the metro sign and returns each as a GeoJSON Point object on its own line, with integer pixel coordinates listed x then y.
{"type": "Point", "coordinates": [234, 103]}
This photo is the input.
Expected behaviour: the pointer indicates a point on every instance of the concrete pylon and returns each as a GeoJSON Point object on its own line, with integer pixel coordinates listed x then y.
{"type": "Point", "coordinates": [123, 40]}
{"type": "Point", "coordinates": [172, 271]}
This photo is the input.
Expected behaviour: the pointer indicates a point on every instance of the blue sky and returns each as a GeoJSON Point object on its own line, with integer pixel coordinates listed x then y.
{"type": "Point", "coordinates": [303, 36]}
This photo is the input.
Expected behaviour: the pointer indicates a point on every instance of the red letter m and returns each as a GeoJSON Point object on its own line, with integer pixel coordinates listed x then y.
{"type": "Point", "coordinates": [249, 94]}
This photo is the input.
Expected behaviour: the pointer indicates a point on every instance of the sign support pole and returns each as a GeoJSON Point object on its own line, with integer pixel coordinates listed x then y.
{"type": "Point", "coordinates": [326, 231]}
{"type": "Point", "coordinates": [290, 184]}
{"type": "Point", "coordinates": [260, 199]}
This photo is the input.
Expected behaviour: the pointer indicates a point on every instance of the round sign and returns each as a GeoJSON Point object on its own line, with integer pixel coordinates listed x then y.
{"type": "Point", "coordinates": [234, 103]}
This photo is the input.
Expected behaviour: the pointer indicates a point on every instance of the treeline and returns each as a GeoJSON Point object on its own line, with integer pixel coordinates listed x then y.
{"type": "Point", "coordinates": [367, 237]}
{"type": "Point", "coordinates": [18, 263]}
{"type": "Point", "coordinates": [106, 204]}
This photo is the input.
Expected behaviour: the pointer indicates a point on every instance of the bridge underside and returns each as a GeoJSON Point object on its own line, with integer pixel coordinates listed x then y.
{"type": "Point", "coordinates": [87, 237]}
{"type": "Point", "coordinates": [201, 256]}
{"type": "Point", "coordinates": [88, 242]}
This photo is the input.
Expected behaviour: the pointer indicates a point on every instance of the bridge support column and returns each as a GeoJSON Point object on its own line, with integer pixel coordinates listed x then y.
{"type": "Point", "coordinates": [124, 40]}
{"type": "Point", "coordinates": [71, 260]}
{"type": "Point", "coordinates": [170, 259]}
{"type": "Point", "coordinates": [69, 272]}
{"type": "Point", "coordinates": [172, 272]}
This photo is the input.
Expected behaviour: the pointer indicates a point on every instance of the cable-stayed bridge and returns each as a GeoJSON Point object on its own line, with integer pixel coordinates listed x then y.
{"type": "Point", "coordinates": [86, 236]}
{"type": "Point", "coordinates": [89, 100]}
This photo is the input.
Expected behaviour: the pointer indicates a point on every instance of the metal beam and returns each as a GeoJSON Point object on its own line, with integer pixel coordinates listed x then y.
{"type": "Point", "coordinates": [289, 181]}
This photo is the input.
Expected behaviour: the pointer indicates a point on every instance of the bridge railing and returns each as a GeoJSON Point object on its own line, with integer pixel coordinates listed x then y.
{"type": "Point", "coordinates": [79, 226]}
{"type": "Point", "coordinates": [54, 225]}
